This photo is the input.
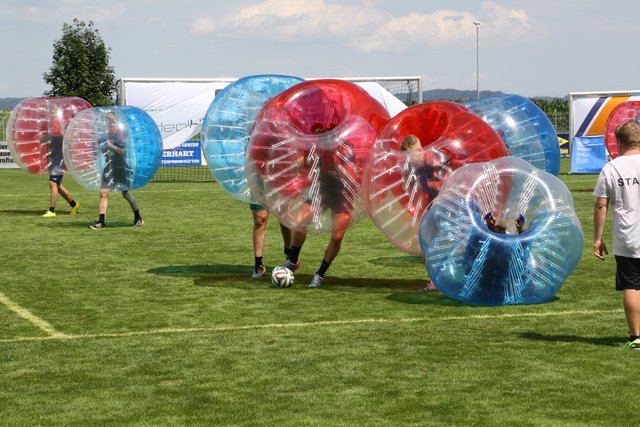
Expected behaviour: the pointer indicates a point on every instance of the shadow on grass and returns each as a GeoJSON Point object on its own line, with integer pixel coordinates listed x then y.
{"type": "Point", "coordinates": [18, 212]}
{"type": "Point", "coordinates": [397, 261]}
{"type": "Point", "coordinates": [404, 291]}
{"type": "Point", "coordinates": [208, 275]}
{"type": "Point", "coordinates": [605, 341]}
{"type": "Point", "coordinates": [85, 223]}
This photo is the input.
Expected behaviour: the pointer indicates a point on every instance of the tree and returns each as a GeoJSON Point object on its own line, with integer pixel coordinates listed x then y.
{"type": "Point", "coordinates": [81, 65]}
{"type": "Point", "coordinates": [557, 110]}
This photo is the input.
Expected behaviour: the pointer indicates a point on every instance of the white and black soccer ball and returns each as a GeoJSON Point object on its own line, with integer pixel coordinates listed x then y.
{"type": "Point", "coordinates": [282, 277]}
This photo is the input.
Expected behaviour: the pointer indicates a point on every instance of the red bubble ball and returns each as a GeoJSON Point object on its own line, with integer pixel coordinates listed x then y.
{"type": "Point", "coordinates": [307, 152]}
{"type": "Point", "coordinates": [35, 132]}
{"type": "Point", "coordinates": [621, 114]}
{"type": "Point", "coordinates": [400, 184]}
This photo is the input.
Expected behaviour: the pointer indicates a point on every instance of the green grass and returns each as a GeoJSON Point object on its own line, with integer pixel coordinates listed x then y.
{"type": "Point", "coordinates": [159, 325]}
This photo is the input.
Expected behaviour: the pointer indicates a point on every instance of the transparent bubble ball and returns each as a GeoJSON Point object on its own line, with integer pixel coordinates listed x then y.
{"type": "Point", "coordinates": [118, 148]}
{"type": "Point", "coordinates": [35, 132]}
{"type": "Point", "coordinates": [472, 264]}
{"type": "Point", "coordinates": [524, 127]}
{"type": "Point", "coordinates": [307, 153]}
{"type": "Point", "coordinates": [227, 126]}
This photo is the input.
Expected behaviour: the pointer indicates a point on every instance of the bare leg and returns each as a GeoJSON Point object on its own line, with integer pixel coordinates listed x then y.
{"type": "Point", "coordinates": [631, 302]}
{"type": "Point", "coordinates": [260, 219]}
{"type": "Point", "coordinates": [104, 201]}
{"type": "Point", "coordinates": [287, 236]}
{"type": "Point", "coordinates": [298, 238]}
{"type": "Point", "coordinates": [53, 199]}
{"type": "Point", "coordinates": [64, 193]}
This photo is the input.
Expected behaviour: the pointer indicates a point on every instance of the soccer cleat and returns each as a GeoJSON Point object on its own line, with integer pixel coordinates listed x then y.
{"type": "Point", "coordinates": [291, 266]}
{"type": "Point", "coordinates": [429, 288]}
{"type": "Point", "coordinates": [316, 282]}
{"type": "Point", "coordinates": [98, 225]}
{"type": "Point", "coordinates": [633, 345]}
{"type": "Point", "coordinates": [259, 272]}
{"type": "Point", "coordinates": [48, 214]}
{"type": "Point", "coordinates": [74, 209]}
{"type": "Point", "coordinates": [138, 222]}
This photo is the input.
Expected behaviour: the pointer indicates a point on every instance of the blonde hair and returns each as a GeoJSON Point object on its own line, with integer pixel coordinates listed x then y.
{"type": "Point", "coordinates": [410, 142]}
{"type": "Point", "coordinates": [628, 134]}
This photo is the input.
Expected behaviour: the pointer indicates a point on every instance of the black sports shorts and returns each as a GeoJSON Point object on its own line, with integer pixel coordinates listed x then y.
{"type": "Point", "coordinates": [627, 273]}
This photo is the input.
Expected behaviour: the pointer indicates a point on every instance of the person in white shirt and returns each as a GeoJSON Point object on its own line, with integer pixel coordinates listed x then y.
{"type": "Point", "coordinates": [618, 187]}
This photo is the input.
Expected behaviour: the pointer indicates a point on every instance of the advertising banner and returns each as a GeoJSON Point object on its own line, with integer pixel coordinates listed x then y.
{"type": "Point", "coordinates": [588, 154]}
{"type": "Point", "coordinates": [179, 106]}
{"type": "Point", "coordinates": [589, 113]}
{"type": "Point", "coordinates": [186, 154]}
{"type": "Point", "coordinates": [6, 161]}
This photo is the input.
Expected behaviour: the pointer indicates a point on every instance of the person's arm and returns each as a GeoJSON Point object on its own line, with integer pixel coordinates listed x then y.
{"type": "Point", "coordinates": [599, 217]}
{"type": "Point", "coordinates": [117, 145]}
{"type": "Point", "coordinates": [116, 149]}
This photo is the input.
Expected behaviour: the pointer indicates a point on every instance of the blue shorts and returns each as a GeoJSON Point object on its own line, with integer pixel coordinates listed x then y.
{"type": "Point", "coordinates": [56, 178]}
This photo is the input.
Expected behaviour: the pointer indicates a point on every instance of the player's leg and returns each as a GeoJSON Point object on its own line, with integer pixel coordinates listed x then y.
{"type": "Point", "coordinates": [340, 224]}
{"type": "Point", "coordinates": [631, 302]}
{"type": "Point", "coordinates": [260, 219]}
{"type": "Point", "coordinates": [133, 203]}
{"type": "Point", "coordinates": [62, 190]}
{"type": "Point", "coordinates": [628, 281]}
{"type": "Point", "coordinates": [53, 195]}
{"type": "Point", "coordinates": [102, 210]}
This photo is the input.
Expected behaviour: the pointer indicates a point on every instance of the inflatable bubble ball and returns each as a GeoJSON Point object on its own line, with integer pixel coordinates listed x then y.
{"type": "Point", "coordinates": [525, 128]}
{"type": "Point", "coordinates": [308, 150]}
{"type": "Point", "coordinates": [118, 148]}
{"type": "Point", "coordinates": [501, 232]}
{"type": "Point", "coordinates": [416, 152]}
{"type": "Point", "coordinates": [227, 127]}
{"type": "Point", "coordinates": [621, 113]}
{"type": "Point", "coordinates": [35, 132]}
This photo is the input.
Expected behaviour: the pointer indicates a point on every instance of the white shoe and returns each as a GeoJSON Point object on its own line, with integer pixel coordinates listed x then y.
{"type": "Point", "coordinates": [316, 282]}
{"type": "Point", "coordinates": [259, 272]}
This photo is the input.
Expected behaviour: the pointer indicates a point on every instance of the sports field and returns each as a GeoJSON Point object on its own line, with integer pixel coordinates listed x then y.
{"type": "Point", "coordinates": [160, 325]}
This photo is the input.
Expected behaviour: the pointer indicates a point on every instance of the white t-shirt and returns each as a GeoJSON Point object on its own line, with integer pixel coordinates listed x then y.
{"type": "Point", "coordinates": [619, 181]}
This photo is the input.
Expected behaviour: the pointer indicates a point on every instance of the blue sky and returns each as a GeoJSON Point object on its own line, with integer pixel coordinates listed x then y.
{"type": "Point", "coordinates": [528, 47]}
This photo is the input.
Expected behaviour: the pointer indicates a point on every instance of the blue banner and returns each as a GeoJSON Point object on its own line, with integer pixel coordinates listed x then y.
{"type": "Point", "coordinates": [185, 154]}
{"type": "Point", "coordinates": [588, 154]}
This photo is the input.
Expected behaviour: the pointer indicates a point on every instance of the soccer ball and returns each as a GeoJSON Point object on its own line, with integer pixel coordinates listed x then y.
{"type": "Point", "coordinates": [281, 277]}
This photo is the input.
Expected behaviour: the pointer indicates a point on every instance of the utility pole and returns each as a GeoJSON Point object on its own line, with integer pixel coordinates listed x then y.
{"type": "Point", "coordinates": [477, 24]}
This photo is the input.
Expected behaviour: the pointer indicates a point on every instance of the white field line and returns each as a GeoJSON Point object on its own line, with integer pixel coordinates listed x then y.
{"type": "Point", "coordinates": [34, 320]}
{"type": "Point", "coordinates": [190, 190]}
{"type": "Point", "coordinates": [310, 324]}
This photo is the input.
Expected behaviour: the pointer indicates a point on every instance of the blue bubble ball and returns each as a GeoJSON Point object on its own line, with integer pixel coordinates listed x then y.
{"type": "Point", "coordinates": [118, 148]}
{"type": "Point", "coordinates": [473, 260]}
{"type": "Point", "coordinates": [524, 127]}
{"type": "Point", "coordinates": [227, 126]}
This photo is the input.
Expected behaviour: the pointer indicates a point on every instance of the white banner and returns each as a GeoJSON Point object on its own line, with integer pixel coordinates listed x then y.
{"type": "Point", "coordinates": [178, 107]}
{"type": "Point", "coordinates": [6, 161]}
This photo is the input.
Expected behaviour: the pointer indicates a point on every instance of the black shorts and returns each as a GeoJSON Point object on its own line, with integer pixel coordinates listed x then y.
{"type": "Point", "coordinates": [56, 178]}
{"type": "Point", "coordinates": [333, 189]}
{"type": "Point", "coordinates": [627, 273]}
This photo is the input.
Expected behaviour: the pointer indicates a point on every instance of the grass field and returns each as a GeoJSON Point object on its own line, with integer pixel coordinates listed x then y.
{"type": "Point", "coordinates": [160, 325]}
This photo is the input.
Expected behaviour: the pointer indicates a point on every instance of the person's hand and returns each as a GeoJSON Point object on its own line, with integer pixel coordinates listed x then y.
{"type": "Point", "coordinates": [519, 223]}
{"type": "Point", "coordinates": [600, 249]}
{"type": "Point", "coordinates": [104, 146]}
